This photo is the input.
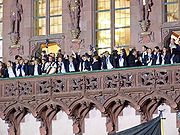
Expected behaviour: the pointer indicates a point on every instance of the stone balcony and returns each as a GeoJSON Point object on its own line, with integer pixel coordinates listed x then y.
{"type": "Point", "coordinates": [143, 88]}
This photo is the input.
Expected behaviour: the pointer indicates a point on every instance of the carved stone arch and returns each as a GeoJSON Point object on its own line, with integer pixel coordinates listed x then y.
{"type": "Point", "coordinates": [13, 115]}
{"type": "Point", "coordinates": [114, 106]}
{"type": "Point", "coordinates": [97, 104]}
{"type": "Point", "coordinates": [168, 100]}
{"type": "Point", "coordinates": [46, 111]}
{"type": "Point", "coordinates": [150, 103]}
{"type": "Point", "coordinates": [133, 103]}
{"type": "Point", "coordinates": [9, 109]}
{"type": "Point", "coordinates": [62, 106]}
{"type": "Point", "coordinates": [79, 110]}
{"type": "Point", "coordinates": [157, 95]}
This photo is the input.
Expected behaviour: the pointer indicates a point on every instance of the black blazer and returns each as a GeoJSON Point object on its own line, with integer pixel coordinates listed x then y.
{"type": "Point", "coordinates": [132, 60]}
{"type": "Point", "coordinates": [167, 58]}
{"type": "Point", "coordinates": [104, 63]}
{"type": "Point", "coordinates": [144, 59]}
{"type": "Point", "coordinates": [6, 74]}
{"type": "Point", "coordinates": [87, 65]}
{"type": "Point", "coordinates": [96, 65]}
{"type": "Point", "coordinates": [155, 57]}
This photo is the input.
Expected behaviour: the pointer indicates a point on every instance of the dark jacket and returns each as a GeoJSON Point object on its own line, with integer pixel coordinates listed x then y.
{"type": "Point", "coordinates": [87, 65]}
{"type": "Point", "coordinates": [155, 58]}
{"type": "Point", "coordinates": [31, 70]}
{"type": "Point", "coordinates": [96, 65]}
{"type": "Point", "coordinates": [167, 58]}
{"type": "Point", "coordinates": [132, 60]}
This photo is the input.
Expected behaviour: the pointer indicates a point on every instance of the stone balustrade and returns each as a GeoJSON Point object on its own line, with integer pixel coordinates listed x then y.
{"type": "Point", "coordinates": [144, 88]}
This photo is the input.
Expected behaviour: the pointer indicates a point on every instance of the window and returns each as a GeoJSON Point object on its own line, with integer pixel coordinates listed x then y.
{"type": "Point", "coordinates": [47, 17]}
{"type": "Point", "coordinates": [1, 29]}
{"type": "Point", "coordinates": [112, 24]}
{"type": "Point", "coordinates": [171, 10]}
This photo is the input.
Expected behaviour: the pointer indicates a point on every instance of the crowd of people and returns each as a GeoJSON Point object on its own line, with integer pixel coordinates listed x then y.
{"type": "Point", "coordinates": [80, 62]}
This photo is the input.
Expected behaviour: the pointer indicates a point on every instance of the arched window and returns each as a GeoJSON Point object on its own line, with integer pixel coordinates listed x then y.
{"type": "Point", "coordinates": [112, 24]}
{"type": "Point", "coordinates": [171, 10]}
{"type": "Point", "coordinates": [47, 17]}
{"type": "Point", "coordinates": [1, 29]}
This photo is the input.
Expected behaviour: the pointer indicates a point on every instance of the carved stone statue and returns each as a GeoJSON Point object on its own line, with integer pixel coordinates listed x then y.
{"type": "Point", "coordinates": [144, 9]}
{"type": "Point", "coordinates": [15, 20]}
{"type": "Point", "coordinates": [15, 17]}
{"type": "Point", "coordinates": [144, 22]}
{"type": "Point", "coordinates": [75, 10]}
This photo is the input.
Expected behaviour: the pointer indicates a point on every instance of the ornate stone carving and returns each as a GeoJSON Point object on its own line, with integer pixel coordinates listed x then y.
{"type": "Point", "coordinates": [162, 77]}
{"type": "Point", "coordinates": [17, 49]}
{"type": "Point", "coordinates": [85, 83]}
{"type": "Point", "coordinates": [127, 80]}
{"type": "Point", "coordinates": [15, 20]}
{"type": "Point", "coordinates": [144, 9]}
{"type": "Point", "coordinates": [111, 81]}
{"type": "Point", "coordinates": [13, 118]}
{"type": "Point", "coordinates": [119, 80]}
{"type": "Point", "coordinates": [51, 85]}
{"type": "Point", "coordinates": [58, 86]}
{"type": "Point", "coordinates": [44, 86]}
{"type": "Point", "coordinates": [77, 84]}
{"type": "Point", "coordinates": [177, 77]}
{"type": "Point", "coordinates": [154, 78]}
{"type": "Point", "coordinates": [10, 89]}
{"type": "Point", "coordinates": [92, 83]}
{"type": "Point", "coordinates": [25, 88]}
{"type": "Point", "coordinates": [74, 7]}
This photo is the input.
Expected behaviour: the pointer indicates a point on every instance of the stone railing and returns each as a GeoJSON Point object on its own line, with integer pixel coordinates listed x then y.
{"type": "Point", "coordinates": [144, 88]}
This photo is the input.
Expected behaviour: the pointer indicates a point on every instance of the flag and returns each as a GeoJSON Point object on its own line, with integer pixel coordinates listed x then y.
{"type": "Point", "coordinates": [152, 127]}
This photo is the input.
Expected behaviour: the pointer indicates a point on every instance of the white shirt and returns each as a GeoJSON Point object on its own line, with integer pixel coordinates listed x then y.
{"type": "Point", "coordinates": [36, 70]}
{"type": "Point", "coordinates": [71, 67]}
{"type": "Point", "coordinates": [10, 72]}
{"type": "Point", "coordinates": [17, 70]}
{"type": "Point", "coordinates": [121, 61]}
{"type": "Point", "coordinates": [108, 63]}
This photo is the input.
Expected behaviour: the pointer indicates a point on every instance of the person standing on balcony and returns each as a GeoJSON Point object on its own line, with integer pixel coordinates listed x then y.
{"type": "Point", "coordinates": [51, 66]}
{"type": "Point", "coordinates": [17, 68]}
{"type": "Point", "coordinates": [35, 68]}
{"type": "Point", "coordinates": [156, 57]}
{"type": "Point", "coordinates": [85, 65]}
{"type": "Point", "coordinates": [60, 66]}
{"type": "Point", "coordinates": [166, 56]}
{"type": "Point", "coordinates": [107, 61]}
{"type": "Point", "coordinates": [122, 58]}
{"type": "Point", "coordinates": [2, 68]}
{"type": "Point", "coordinates": [9, 71]}
{"type": "Point", "coordinates": [21, 68]}
{"type": "Point", "coordinates": [43, 66]}
{"type": "Point", "coordinates": [144, 55]}
{"type": "Point", "coordinates": [71, 64]}
{"type": "Point", "coordinates": [96, 65]}
{"type": "Point", "coordinates": [132, 58]}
